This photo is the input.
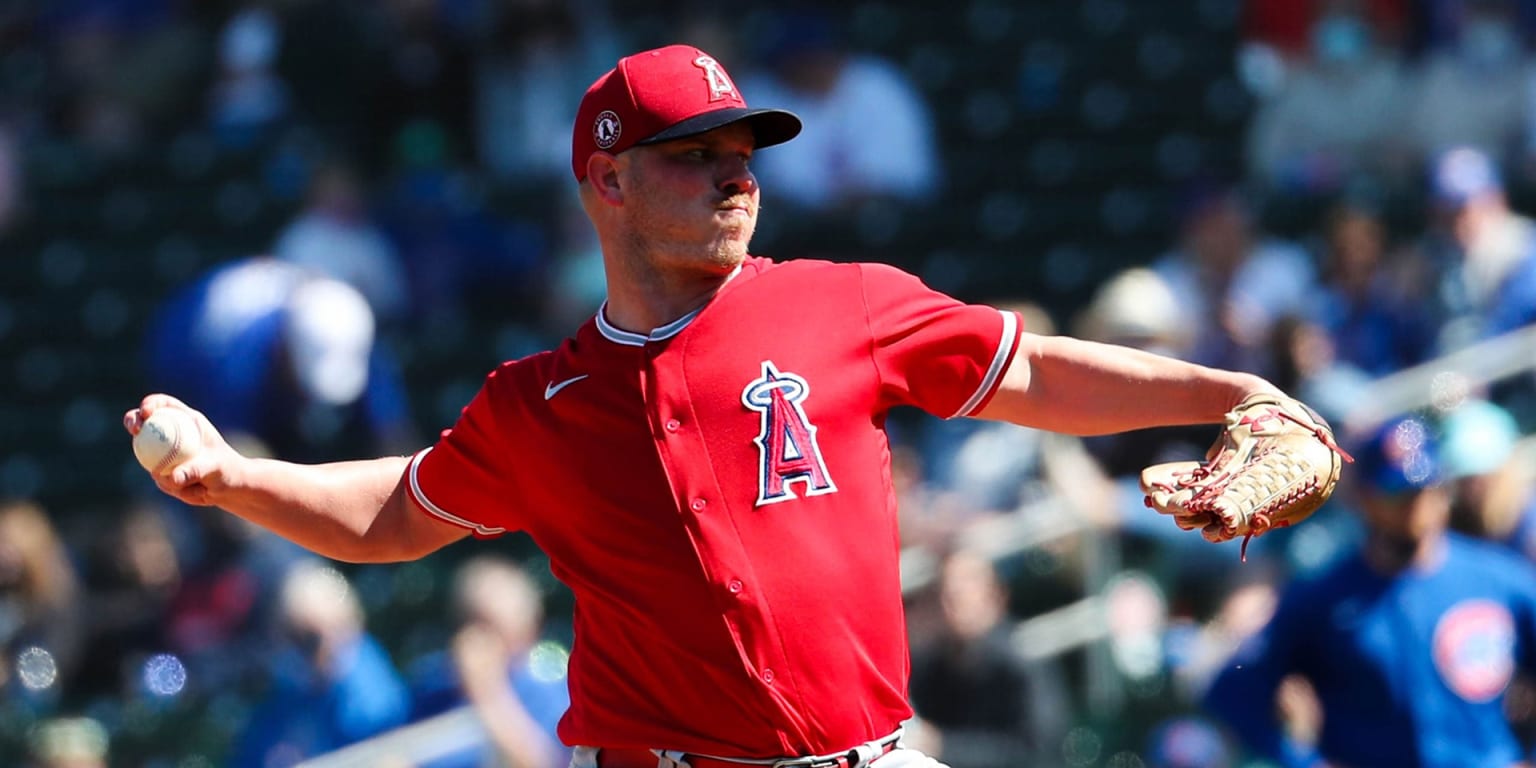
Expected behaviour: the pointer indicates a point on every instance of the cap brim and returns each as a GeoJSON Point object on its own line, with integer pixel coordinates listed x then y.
{"type": "Point", "coordinates": [769, 126]}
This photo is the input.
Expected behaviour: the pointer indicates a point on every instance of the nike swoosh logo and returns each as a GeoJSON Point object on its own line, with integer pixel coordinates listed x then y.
{"type": "Point", "coordinates": [553, 388]}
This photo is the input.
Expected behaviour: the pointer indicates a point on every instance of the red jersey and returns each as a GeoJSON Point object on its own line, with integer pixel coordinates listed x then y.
{"type": "Point", "coordinates": [717, 496]}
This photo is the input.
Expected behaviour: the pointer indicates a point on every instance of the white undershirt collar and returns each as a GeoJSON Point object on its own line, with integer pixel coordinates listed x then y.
{"type": "Point", "coordinates": [618, 335]}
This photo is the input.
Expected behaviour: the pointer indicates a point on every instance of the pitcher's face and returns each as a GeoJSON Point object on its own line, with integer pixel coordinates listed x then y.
{"type": "Point", "coordinates": [692, 203]}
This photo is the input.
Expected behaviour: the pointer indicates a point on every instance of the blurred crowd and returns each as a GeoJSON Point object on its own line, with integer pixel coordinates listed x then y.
{"type": "Point", "coordinates": [401, 219]}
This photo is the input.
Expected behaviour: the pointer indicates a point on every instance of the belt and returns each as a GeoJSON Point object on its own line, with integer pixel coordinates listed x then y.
{"type": "Point", "coordinates": [858, 757]}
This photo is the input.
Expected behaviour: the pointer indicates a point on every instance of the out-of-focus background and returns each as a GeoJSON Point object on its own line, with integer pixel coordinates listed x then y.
{"type": "Point", "coordinates": [323, 221]}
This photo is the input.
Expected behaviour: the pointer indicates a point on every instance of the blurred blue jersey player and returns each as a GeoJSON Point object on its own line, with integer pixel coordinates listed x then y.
{"type": "Point", "coordinates": [1410, 643]}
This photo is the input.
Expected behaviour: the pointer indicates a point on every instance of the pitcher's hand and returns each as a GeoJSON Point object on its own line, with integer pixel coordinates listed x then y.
{"type": "Point", "coordinates": [201, 478]}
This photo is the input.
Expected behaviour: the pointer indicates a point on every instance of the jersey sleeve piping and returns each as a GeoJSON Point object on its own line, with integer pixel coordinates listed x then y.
{"type": "Point", "coordinates": [1005, 349]}
{"type": "Point", "coordinates": [438, 512]}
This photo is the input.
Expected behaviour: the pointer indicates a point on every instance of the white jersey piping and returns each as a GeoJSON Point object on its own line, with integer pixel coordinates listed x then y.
{"type": "Point", "coordinates": [999, 363]}
{"type": "Point", "coordinates": [618, 335]}
{"type": "Point", "coordinates": [439, 512]}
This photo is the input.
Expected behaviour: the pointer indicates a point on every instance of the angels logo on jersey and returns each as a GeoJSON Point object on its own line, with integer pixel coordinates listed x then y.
{"type": "Point", "coordinates": [787, 440]}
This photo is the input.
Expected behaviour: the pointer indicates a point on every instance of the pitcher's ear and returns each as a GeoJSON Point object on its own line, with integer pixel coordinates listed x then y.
{"type": "Point", "coordinates": [603, 175]}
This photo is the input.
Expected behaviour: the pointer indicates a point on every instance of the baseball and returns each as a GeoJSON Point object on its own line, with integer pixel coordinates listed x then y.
{"type": "Point", "coordinates": [168, 437]}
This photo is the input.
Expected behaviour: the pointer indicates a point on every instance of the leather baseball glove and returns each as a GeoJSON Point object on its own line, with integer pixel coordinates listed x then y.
{"type": "Point", "coordinates": [1273, 465]}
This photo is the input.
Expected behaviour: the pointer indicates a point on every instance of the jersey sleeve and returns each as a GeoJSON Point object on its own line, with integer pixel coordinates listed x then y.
{"type": "Point", "coordinates": [931, 350]}
{"type": "Point", "coordinates": [469, 478]}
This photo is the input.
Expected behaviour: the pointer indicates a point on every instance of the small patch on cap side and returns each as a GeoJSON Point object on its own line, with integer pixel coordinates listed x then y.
{"type": "Point", "coordinates": [606, 129]}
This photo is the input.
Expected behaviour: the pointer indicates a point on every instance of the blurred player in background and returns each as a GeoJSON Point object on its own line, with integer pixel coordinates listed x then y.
{"type": "Point", "coordinates": [1410, 644]}
{"type": "Point", "coordinates": [704, 462]}
{"type": "Point", "coordinates": [278, 353]}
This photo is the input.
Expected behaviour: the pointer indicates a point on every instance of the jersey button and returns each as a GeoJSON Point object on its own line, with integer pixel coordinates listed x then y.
{"type": "Point", "coordinates": [768, 676]}
{"type": "Point", "coordinates": [673, 424]}
{"type": "Point", "coordinates": [699, 505]}
{"type": "Point", "coordinates": [735, 586]}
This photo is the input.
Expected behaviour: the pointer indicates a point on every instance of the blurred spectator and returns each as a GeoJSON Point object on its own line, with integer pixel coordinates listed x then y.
{"type": "Point", "coordinates": [928, 516]}
{"type": "Point", "coordinates": [1135, 307]}
{"type": "Point", "coordinates": [248, 99]}
{"type": "Point", "coordinates": [69, 742]}
{"type": "Point", "coordinates": [1199, 644]}
{"type": "Point", "coordinates": [331, 683]}
{"type": "Point", "coordinates": [125, 69]}
{"type": "Point", "coordinates": [1136, 617]}
{"type": "Point", "coordinates": [90, 108]}
{"type": "Point", "coordinates": [993, 469]}
{"type": "Point", "coordinates": [1231, 281]}
{"type": "Point", "coordinates": [1493, 486]}
{"type": "Point", "coordinates": [1474, 91]}
{"type": "Point", "coordinates": [496, 665]}
{"type": "Point", "coordinates": [1339, 112]}
{"type": "Point", "coordinates": [335, 236]}
{"type": "Point", "coordinates": [1307, 366]}
{"type": "Point", "coordinates": [1364, 304]}
{"type": "Point", "coordinates": [1410, 643]}
{"type": "Point", "coordinates": [979, 704]}
{"type": "Point", "coordinates": [131, 578]}
{"type": "Point", "coordinates": [536, 59]}
{"type": "Point", "coordinates": [1485, 252]}
{"type": "Point", "coordinates": [282, 356]}
{"type": "Point", "coordinates": [40, 621]}
{"type": "Point", "coordinates": [868, 131]}
{"type": "Point", "coordinates": [231, 572]}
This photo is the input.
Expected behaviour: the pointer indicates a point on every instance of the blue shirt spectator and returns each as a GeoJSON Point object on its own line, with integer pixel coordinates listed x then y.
{"type": "Point", "coordinates": [436, 688]}
{"type": "Point", "coordinates": [1486, 252]}
{"type": "Point", "coordinates": [332, 684]}
{"type": "Point", "coordinates": [497, 665]}
{"type": "Point", "coordinates": [1361, 303]}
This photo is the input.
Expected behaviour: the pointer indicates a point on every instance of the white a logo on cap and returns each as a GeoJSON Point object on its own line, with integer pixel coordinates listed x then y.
{"type": "Point", "coordinates": [606, 129]}
{"type": "Point", "coordinates": [719, 83]}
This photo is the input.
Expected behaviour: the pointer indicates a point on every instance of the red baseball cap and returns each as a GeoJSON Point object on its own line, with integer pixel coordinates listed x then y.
{"type": "Point", "coordinates": [662, 94]}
